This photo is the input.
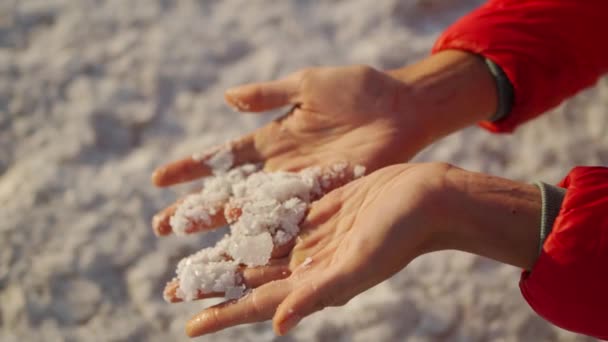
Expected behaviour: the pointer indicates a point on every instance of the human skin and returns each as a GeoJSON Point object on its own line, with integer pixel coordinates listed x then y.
{"type": "Point", "coordinates": [373, 118]}
{"type": "Point", "coordinates": [364, 232]}
{"type": "Point", "coordinates": [355, 114]}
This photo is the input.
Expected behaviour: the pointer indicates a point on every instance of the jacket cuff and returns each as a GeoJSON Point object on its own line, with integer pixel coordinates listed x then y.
{"type": "Point", "coordinates": [552, 198]}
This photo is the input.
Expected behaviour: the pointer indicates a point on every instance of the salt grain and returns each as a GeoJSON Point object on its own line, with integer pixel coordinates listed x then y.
{"type": "Point", "coordinates": [197, 157]}
{"type": "Point", "coordinates": [235, 292]}
{"type": "Point", "coordinates": [222, 160]}
{"type": "Point", "coordinates": [251, 250]}
{"type": "Point", "coordinates": [359, 171]}
{"type": "Point", "coordinates": [306, 262]}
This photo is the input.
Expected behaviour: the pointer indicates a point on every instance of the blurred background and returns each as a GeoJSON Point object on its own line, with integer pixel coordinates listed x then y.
{"type": "Point", "coordinates": [94, 94]}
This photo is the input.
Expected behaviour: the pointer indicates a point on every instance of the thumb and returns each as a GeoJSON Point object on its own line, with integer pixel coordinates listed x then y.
{"type": "Point", "coordinates": [263, 96]}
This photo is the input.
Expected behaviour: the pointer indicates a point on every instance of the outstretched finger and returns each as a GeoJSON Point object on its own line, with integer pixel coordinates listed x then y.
{"type": "Point", "coordinates": [315, 294]}
{"type": "Point", "coordinates": [264, 96]}
{"type": "Point", "coordinates": [252, 277]}
{"type": "Point", "coordinates": [237, 152]}
{"type": "Point", "coordinates": [170, 293]}
{"type": "Point", "coordinates": [257, 306]}
{"type": "Point", "coordinates": [162, 223]}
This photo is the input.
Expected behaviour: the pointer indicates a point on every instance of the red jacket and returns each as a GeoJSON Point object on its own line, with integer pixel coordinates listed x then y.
{"type": "Point", "coordinates": [550, 50]}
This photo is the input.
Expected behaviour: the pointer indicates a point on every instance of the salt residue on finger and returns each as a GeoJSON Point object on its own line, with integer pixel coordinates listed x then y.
{"type": "Point", "coordinates": [220, 161]}
{"type": "Point", "coordinates": [270, 207]}
{"type": "Point", "coordinates": [197, 209]}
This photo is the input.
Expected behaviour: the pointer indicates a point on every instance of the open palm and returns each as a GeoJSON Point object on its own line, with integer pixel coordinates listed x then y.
{"type": "Point", "coordinates": [338, 114]}
{"type": "Point", "coordinates": [353, 238]}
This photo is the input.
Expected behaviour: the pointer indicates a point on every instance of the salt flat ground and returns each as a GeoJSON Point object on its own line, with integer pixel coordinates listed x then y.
{"type": "Point", "coordinates": [94, 94]}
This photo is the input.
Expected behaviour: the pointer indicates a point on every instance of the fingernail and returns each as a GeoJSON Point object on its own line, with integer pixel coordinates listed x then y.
{"type": "Point", "coordinates": [289, 323]}
{"type": "Point", "coordinates": [156, 220]}
{"type": "Point", "coordinates": [234, 101]}
{"type": "Point", "coordinates": [156, 176]}
{"type": "Point", "coordinates": [231, 91]}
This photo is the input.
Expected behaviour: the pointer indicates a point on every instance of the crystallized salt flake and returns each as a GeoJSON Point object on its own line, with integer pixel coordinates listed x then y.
{"type": "Point", "coordinates": [197, 209]}
{"type": "Point", "coordinates": [222, 160]}
{"type": "Point", "coordinates": [359, 171]}
{"type": "Point", "coordinates": [339, 169]}
{"type": "Point", "coordinates": [195, 277]}
{"type": "Point", "coordinates": [306, 262]}
{"type": "Point", "coordinates": [235, 292]}
{"type": "Point", "coordinates": [197, 157]}
{"type": "Point", "coordinates": [193, 210]}
{"type": "Point", "coordinates": [251, 250]}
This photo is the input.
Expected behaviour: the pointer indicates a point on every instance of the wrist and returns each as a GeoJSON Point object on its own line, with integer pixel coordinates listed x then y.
{"type": "Point", "coordinates": [491, 216]}
{"type": "Point", "coordinates": [447, 92]}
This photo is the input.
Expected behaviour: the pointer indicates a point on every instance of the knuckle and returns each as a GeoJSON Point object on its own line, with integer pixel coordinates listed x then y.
{"type": "Point", "coordinates": [330, 300]}
{"type": "Point", "coordinates": [441, 165]}
{"type": "Point", "coordinates": [214, 316]}
{"type": "Point", "coordinates": [305, 77]}
{"type": "Point", "coordinates": [256, 304]}
{"type": "Point", "coordinates": [365, 73]}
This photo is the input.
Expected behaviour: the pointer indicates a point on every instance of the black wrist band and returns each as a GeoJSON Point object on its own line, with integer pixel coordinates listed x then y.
{"type": "Point", "coordinates": [505, 91]}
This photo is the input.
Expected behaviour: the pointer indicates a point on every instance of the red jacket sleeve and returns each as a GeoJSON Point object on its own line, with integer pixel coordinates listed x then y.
{"type": "Point", "coordinates": [568, 285]}
{"type": "Point", "coordinates": [549, 49]}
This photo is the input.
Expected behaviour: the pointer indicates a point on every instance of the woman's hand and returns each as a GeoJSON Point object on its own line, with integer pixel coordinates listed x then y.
{"type": "Point", "coordinates": [355, 114]}
{"type": "Point", "coordinates": [364, 232]}
{"type": "Point", "coordinates": [356, 237]}
{"type": "Point", "coordinates": [338, 114]}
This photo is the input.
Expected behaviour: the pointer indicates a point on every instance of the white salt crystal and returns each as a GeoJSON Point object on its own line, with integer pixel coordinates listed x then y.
{"type": "Point", "coordinates": [306, 262]}
{"type": "Point", "coordinates": [359, 171]}
{"type": "Point", "coordinates": [251, 250]}
{"type": "Point", "coordinates": [196, 209]}
{"type": "Point", "coordinates": [193, 210]}
{"type": "Point", "coordinates": [339, 169]}
{"type": "Point", "coordinates": [197, 157]}
{"type": "Point", "coordinates": [281, 237]}
{"type": "Point", "coordinates": [222, 160]}
{"type": "Point", "coordinates": [206, 277]}
{"type": "Point", "coordinates": [326, 181]}
{"type": "Point", "coordinates": [235, 292]}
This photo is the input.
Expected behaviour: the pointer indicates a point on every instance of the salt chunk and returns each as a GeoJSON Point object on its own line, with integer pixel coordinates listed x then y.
{"type": "Point", "coordinates": [358, 171]}
{"type": "Point", "coordinates": [306, 262]}
{"type": "Point", "coordinates": [192, 211]}
{"type": "Point", "coordinates": [251, 250]}
{"type": "Point", "coordinates": [197, 157]}
{"type": "Point", "coordinates": [206, 277]}
{"type": "Point", "coordinates": [339, 168]}
{"type": "Point", "coordinates": [235, 292]}
{"type": "Point", "coordinates": [222, 160]}
{"type": "Point", "coordinates": [197, 209]}
{"type": "Point", "coordinates": [281, 237]}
